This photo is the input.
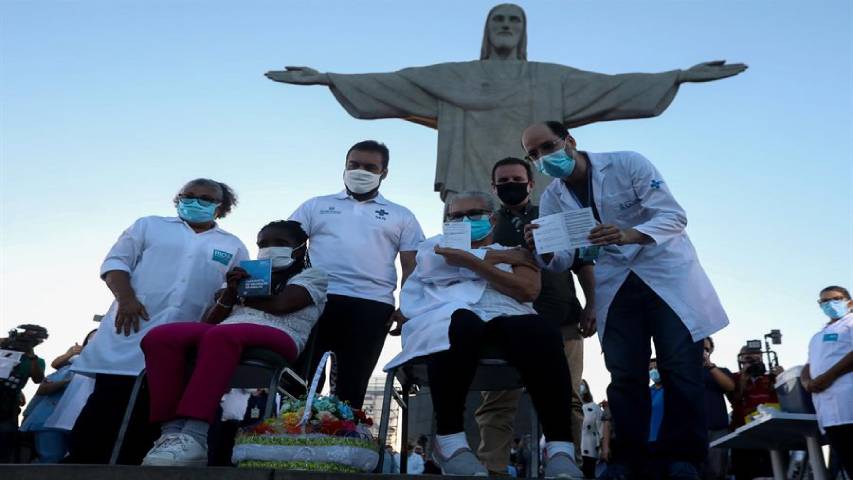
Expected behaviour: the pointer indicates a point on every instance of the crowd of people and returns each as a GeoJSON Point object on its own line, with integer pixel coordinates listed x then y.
{"type": "Point", "coordinates": [175, 282]}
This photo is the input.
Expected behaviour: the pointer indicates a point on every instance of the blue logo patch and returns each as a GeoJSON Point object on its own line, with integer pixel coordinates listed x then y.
{"type": "Point", "coordinates": [222, 257]}
{"type": "Point", "coordinates": [380, 214]}
{"type": "Point", "coordinates": [656, 184]}
{"type": "Point", "coordinates": [830, 337]}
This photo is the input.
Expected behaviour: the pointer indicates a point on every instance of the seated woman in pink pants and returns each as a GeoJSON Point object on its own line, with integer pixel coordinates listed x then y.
{"type": "Point", "coordinates": [281, 322]}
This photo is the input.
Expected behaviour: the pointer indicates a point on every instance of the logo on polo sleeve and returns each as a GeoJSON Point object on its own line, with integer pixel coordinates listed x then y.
{"type": "Point", "coordinates": [655, 184]}
{"type": "Point", "coordinates": [222, 257]}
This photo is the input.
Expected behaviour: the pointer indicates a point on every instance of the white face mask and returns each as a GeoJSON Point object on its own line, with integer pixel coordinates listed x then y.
{"type": "Point", "coordinates": [361, 181]}
{"type": "Point", "coordinates": [281, 256]}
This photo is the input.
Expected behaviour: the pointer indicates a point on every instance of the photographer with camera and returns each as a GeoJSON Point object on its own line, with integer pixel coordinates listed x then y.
{"type": "Point", "coordinates": [30, 367]}
{"type": "Point", "coordinates": [754, 386]}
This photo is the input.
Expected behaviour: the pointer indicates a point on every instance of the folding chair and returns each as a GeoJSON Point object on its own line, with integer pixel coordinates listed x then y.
{"type": "Point", "coordinates": [493, 373]}
{"type": "Point", "coordinates": [258, 368]}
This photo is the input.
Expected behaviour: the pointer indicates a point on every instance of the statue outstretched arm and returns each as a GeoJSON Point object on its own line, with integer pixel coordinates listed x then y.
{"type": "Point", "coordinates": [299, 76]}
{"type": "Point", "coordinates": [371, 95]}
{"type": "Point", "coordinates": [596, 97]}
{"type": "Point", "coordinates": [710, 71]}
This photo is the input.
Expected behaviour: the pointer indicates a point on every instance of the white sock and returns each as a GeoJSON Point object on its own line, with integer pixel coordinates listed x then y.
{"type": "Point", "coordinates": [553, 448]}
{"type": "Point", "coordinates": [449, 444]}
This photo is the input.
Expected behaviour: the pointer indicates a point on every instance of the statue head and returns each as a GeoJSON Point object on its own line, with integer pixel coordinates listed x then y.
{"type": "Point", "coordinates": [505, 33]}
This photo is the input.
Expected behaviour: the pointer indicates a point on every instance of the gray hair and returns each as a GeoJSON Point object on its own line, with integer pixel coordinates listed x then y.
{"type": "Point", "coordinates": [488, 199]}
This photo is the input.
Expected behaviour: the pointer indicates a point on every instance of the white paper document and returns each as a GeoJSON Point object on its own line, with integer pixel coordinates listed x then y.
{"type": "Point", "coordinates": [563, 231]}
{"type": "Point", "coordinates": [457, 235]}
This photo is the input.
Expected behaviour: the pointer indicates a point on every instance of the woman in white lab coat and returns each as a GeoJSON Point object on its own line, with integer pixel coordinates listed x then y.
{"type": "Point", "coordinates": [829, 373]}
{"type": "Point", "coordinates": [649, 285]}
{"type": "Point", "coordinates": [458, 300]}
{"type": "Point", "coordinates": [161, 270]}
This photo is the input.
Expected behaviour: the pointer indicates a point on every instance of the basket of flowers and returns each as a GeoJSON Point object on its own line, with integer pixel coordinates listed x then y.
{"type": "Point", "coordinates": [317, 433]}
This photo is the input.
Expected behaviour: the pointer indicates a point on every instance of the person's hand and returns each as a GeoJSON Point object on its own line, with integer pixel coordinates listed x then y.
{"type": "Point", "coordinates": [398, 319]}
{"type": "Point", "coordinates": [776, 371]}
{"type": "Point", "coordinates": [606, 234]}
{"type": "Point", "coordinates": [233, 277]}
{"type": "Point", "coordinates": [528, 236]}
{"type": "Point", "coordinates": [512, 256]}
{"type": "Point", "coordinates": [455, 257]}
{"type": "Point", "coordinates": [820, 383]}
{"type": "Point", "coordinates": [709, 71]}
{"type": "Point", "coordinates": [588, 324]}
{"type": "Point", "coordinates": [128, 313]}
{"type": "Point", "coordinates": [74, 350]}
{"type": "Point", "coordinates": [298, 76]}
{"type": "Point", "coordinates": [605, 453]}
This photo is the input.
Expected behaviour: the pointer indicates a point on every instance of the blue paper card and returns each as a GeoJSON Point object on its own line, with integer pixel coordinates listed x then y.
{"type": "Point", "coordinates": [260, 282]}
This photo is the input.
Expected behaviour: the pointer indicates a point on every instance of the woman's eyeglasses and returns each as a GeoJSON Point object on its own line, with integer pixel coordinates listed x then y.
{"type": "Point", "coordinates": [471, 214]}
{"type": "Point", "coordinates": [203, 201]}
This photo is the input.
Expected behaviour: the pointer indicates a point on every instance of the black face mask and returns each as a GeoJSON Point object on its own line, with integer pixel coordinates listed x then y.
{"type": "Point", "coordinates": [513, 193]}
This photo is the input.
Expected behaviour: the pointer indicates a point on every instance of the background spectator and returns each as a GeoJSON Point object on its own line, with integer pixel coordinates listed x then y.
{"type": "Point", "coordinates": [591, 431]}
{"type": "Point", "coordinates": [30, 367]}
{"type": "Point", "coordinates": [718, 383]}
{"type": "Point", "coordinates": [51, 444]}
{"type": "Point", "coordinates": [754, 386]}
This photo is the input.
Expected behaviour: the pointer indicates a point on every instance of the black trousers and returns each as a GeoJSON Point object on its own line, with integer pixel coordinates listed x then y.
{"type": "Point", "coordinates": [96, 429]}
{"type": "Point", "coordinates": [841, 440]}
{"type": "Point", "coordinates": [355, 329]}
{"type": "Point", "coordinates": [638, 315]}
{"type": "Point", "coordinates": [531, 344]}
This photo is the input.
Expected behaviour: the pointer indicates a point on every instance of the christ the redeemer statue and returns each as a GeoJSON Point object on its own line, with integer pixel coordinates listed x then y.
{"type": "Point", "coordinates": [480, 107]}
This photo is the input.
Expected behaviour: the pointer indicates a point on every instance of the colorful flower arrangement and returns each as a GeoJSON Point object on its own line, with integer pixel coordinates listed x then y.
{"type": "Point", "coordinates": [329, 416]}
{"type": "Point", "coordinates": [333, 438]}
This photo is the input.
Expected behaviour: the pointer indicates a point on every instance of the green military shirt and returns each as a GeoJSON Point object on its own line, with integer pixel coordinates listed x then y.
{"type": "Point", "coordinates": [557, 301]}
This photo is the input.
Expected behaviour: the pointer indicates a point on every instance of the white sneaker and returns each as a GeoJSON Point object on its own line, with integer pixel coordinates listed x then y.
{"type": "Point", "coordinates": [176, 450]}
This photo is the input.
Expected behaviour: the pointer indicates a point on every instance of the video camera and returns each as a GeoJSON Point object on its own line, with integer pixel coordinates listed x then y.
{"type": "Point", "coordinates": [754, 348]}
{"type": "Point", "coordinates": [24, 338]}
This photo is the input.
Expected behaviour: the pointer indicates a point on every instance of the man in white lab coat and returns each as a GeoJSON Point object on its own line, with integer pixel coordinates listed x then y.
{"type": "Point", "coordinates": [649, 285]}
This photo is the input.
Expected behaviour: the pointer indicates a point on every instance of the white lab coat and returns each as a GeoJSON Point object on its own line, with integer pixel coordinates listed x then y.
{"type": "Point", "coordinates": [430, 296]}
{"type": "Point", "coordinates": [834, 406]}
{"type": "Point", "coordinates": [174, 272]}
{"type": "Point", "coordinates": [630, 193]}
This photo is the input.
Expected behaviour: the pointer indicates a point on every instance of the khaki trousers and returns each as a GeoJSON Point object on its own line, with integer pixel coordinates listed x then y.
{"type": "Point", "coordinates": [496, 414]}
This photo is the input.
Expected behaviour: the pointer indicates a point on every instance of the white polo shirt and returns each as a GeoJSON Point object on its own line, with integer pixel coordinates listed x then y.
{"type": "Point", "coordinates": [834, 405]}
{"type": "Point", "coordinates": [356, 243]}
{"type": "Point", "coordinates": [174, 271]}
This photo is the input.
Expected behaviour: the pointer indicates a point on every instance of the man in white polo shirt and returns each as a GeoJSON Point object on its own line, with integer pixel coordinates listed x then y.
{"type": "Point", "coordinates": [355, 237]}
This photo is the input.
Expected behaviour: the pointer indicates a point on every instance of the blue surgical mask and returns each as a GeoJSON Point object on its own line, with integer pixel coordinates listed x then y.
{"type": "Point", "coordinates": [834, 309]}
{"type": "Point", "coordinates": [190, 210]}
{"type": "Point", "coordinates": [556, 164]}
{"type": "Point", "coordinates": [480, 229]}
{"type": "Point", "coordinates": [654, 375]}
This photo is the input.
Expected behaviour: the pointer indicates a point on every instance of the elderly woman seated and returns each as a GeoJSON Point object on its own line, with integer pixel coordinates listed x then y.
{"type": "Point", "coordinates": [458, 300]}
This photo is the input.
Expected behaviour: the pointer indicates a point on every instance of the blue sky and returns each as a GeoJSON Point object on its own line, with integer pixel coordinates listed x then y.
{"type": "Point", "coordinates": [108, 107]}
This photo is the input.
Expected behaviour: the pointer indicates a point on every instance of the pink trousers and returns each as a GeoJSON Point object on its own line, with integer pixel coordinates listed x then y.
{"type": "Point", "coordinates": [175, 394]}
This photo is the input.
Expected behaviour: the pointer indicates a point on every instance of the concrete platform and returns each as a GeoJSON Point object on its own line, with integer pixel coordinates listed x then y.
{"type": "Point", "coordinates": [121, 472]}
